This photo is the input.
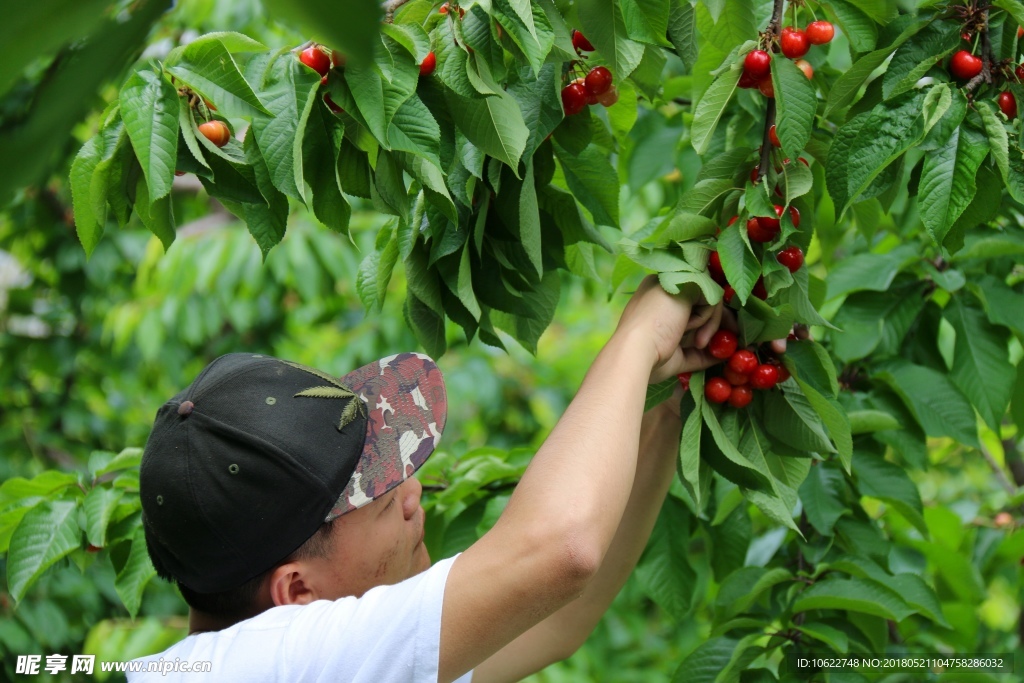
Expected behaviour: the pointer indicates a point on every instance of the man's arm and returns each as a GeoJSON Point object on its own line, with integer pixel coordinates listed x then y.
{"type": "Point", "coordinates": [549, 544]}
{"type": "Point", "coordinates": [561, 634]}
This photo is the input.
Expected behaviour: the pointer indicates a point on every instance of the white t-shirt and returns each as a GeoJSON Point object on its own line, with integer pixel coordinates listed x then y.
{"type": "Point", "coordinates": [391, 633]}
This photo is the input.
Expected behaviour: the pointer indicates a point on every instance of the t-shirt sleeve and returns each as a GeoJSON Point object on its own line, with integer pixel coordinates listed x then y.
{"type": "Point", "coordinates": [391, 633]}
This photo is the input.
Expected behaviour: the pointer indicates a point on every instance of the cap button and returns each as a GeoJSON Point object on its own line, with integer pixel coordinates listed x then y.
{"type": "Point", "coordinates": [185, 409]}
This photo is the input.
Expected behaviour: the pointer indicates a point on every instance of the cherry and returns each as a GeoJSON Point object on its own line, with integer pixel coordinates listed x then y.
{"type": "Point", "coordinates": [729, 294]}
{"type": "Point", "coordinates": [731, 221]}
{"type": "Point", "coordinates": [684, 380]}
{"type": "Point", "coordinates": [759, 289]}
{"type": "Point", "coordinates": [444, 10]}
{"type": "Point", "coordinates": [964, 65]}
{"type": "Point", "coordinates": [179, 173]}
{"type": "Point", "coordinates": [759, 233]}
{"type": "Point", "coordinates": [770, 223]}
{"type": "Point", "coordinates": [428, 64]}
{"type": "Point", "coordinates": [717, 390]}
{"type": "Point", "coordinates": [216, 132]}
{"type": "Point", "coordinates": [715, 268]}
{"type": "Point", "coordinates": [806, 67]}
{"type": "Point", "coordinates": [966, 36]}
{"type": "Point", "coordinates": [764, 376]}
{"type": "Point", "coordinates": [794, 42]}
{"type": "Point", "coordinates": [316, 59]}
{"type": "Point", "coordinates": [766, 87]}
{"type": "Point", "coordinates": [580, 42]}
{"type": "Point", "coordinates": [338, 59]}
{"type": "Point", "coordinates": [747, 81]}
{"type": "Point", "coordinates": [1019, 73]}
{"type": "Point", "coordinates": [794, 215]}
{"type": "Point", "coordinates": [757, 64]}
{"type": "Point", "coordinates": [1020, 32]}
{"type": "Point", "coordinates": [774, 137]}
{"type": "Point", "coordinates": [819, 32]}
{"type": "Point", "coordinates": [574, 98]}
{"type": "Point", "coordinates": [783, 371]}
{"type": "Point", "coordinates": [753, 174]}
{"type": "Point", "coordinates": [743, 362]}
{"type": "Point", "coordinates": [609, 98]}
{"type": "Point", "coordinates": [598, 81]}
{"type": "Point", "coordinates": [735, 378]}
{"type": "Point", "coordinates": [792, 258]}
{"type": "Point", "coordinates": [723, 344]}
{"type": "Point", "coordinates": [740, 397]}
{"type": "Point", "coordinates": [1008, 104]}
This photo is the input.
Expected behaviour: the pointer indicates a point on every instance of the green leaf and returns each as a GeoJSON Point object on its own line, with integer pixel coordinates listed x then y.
{"type": "Point", "coordinates": [1002, 304]}
{"type": "Point", "coordinates": [682, 25]}
{"type": "Point", "coordinates": [47, 533]}
{"type": "Point", "coordinates": [796, 103]}
{"type": "Point", "coordinates": [705, 663]}
{"type": "Point", "coordinates": [868, 143]}
{"type": "Point", "coordinates": [919, 595]}
{"type": "Point", "coordinates": [692, 406]}
{"type": "Point", "coordinates": [353, 27]}
{"type": "Point", "coordinates": [997, 139]}
{"type": "Point", "coordinates": [427, 325]}
{"type": "Point", "coordinates": [916, 56]}
{"type": "Point", "coordinates": [376, 268]}
{"type": "Point", "coordinates": [809, 361]}
{"type": "Point", "coordinates": [541, 302]}
{"type": "Point", "coordinates": [711, 107]}
{"type": "Point", "coordinates": [149, 109]}
{"type": "Point", "coordinates": [494, 124]}
{"type": "Point", "coordinates": [981, 364]}
{"type": "Point", "coordinates": [735, 24]}
{"type": "Point", "coordinates": [794, 422]}
{"type": "Point", "coordinates": [874, 272]}
{"type": "Point", "coordinates": [855, 24]}
{"type": "Point", "coordinates": [738, 466]}
{"type": "Point", "coordinates": [17, 490]}
{"type": "Point", "coordinates": [934, 400]}
{"type": "Point", "coordinates": [602, 23]}
{"type": "Point", "coordinates": [834, 418]}
{"type": "Point", "coordinates": [744, 587]}
{"type": "Point", "coordinates": [137, 572]}
{"type": "Point", "coordinates": [879, 478]}
{"type": "Point", "coordinates": [591, 177]}
{"type": "Point", "coordinates": [664, 570]}
{"type": "Point", "coordinates": [646, 20]}
{"type": "Point", "coordinates": [99, 505]}
{"type": "Point", "coordinates": [288, 89]}
{"type": "Point", "coordinates": [266, 222]}
{"type": "Point", "coordinates": [870, 421]}
{"type": "Point", "coordinates": [742, 267]}
{"type": "Point", "coordinates": [157, 216]}
{"type": "Point", "coordinates": [703, 196]}
{"type": "Point", "coordinates": [948, 180]}
{"type": "Point", "coordinates": [88, 224]}
{"type": "Point", "coordinates": [680, 226]}
{"type": "Point", "coordinates": [846, 87]}
{"type": "Point", "coordinates": [822, 496]}
{"type": "Point", "coordinates": [207, 66]}
{"type": "Point", "coordinates": [321, 152]}
{"type": "Point", "coordinates": [855, 595]}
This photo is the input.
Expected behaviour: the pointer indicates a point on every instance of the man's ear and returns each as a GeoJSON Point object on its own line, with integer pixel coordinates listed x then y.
{"type": "Point", "coordinates": [290, 584]}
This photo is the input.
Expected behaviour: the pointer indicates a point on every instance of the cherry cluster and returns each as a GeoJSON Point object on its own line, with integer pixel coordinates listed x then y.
{"type": "Point", "coordinates": [595, 87]}
{"type": "Point", "coordinates": [794, 44]}
{"type": "Point", "coordinates": [741, 373]}
{"type": "Point", "coordinates": [964, 65]}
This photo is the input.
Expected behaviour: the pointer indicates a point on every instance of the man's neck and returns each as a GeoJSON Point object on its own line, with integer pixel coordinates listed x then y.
{"type": "Point", "coordinates": [201, 622]}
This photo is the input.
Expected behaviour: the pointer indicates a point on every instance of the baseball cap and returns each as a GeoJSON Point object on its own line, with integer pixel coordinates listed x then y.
{"type": "Point", "coordinates": [247, 462]}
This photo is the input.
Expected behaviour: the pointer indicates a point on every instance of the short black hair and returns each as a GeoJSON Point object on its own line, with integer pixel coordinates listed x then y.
{"type": "Point", "coordinates": [239, 603]}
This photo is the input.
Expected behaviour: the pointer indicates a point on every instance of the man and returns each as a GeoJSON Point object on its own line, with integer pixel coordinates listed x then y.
{"type": "Point", "coordinates": [281, 501]}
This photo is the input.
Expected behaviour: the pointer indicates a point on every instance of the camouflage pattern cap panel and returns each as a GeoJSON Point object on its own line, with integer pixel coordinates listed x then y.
{"type": "Point", "coordinates": [407, 406]}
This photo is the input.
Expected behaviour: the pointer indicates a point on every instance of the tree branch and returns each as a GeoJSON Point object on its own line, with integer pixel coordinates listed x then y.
{"type": "Point", "coordinates": [771, 34]}
{"type": "Point", "coordinates": [389, 7]}
{"type": "Point", "coordinates": [997, 469]}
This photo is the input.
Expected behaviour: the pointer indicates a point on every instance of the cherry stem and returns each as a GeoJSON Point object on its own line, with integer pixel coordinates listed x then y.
{"type": "Point", "coordinates": [772, 32]}
{"type": "Point", "coordinates": [986, 52]}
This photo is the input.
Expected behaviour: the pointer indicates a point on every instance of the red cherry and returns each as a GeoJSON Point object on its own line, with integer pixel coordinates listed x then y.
{"type": "Point", "coordinates": [966, 36]}
{"type": "Point", "coordinates": [964, 65]}
{"type": "Point", "coordinates": [804, 162]}
{"type": "Point", "coordinates": [753, 174]}
{"type": "Point", "coordinates": [794, 215]}
{"type": "Point", "coordinates": [179, 173]}
{"type": "Point", "coordinates": [428, 64]}
{"type": "Point", "coordinates": [1020, 32]}
{"type": "Point", "coordinates": [770, 223]}
{"type": "Point", "coordinates": [731, 221]}
{"type": "Point", "coordinates": [1008, 104]}
{"type": "Point", "coordinates": [715, 268]}
{"type": "Point", "coordinates": [723, 344]}
{"type": "Point", "coordinates": [316, 59]}
{"type": "Point", "coordinates": [747, 81]}
{"type": "Point", "coordinates": [1019, 73]}
{"type": "Point", "coordinates": [759, 289]}
{"type": "Point", "coordinates": [792, 258]}
{"type": "Point", "coordinates": [794, 42]}
{"type": "Point", "coordinates": [598, 81]}
{"type": "Point", "coordinates": [580, 42]}
{"type": "Point", "coordinates": [684, 380]}
{"type": "Point", "coordinates": [819, 32]}
{"type": "Point", "coordinates": [764, 376]}
{"type": "Point", "coordinates": [609, 98]}
{"type": "Point", "coordinates": [574, 98]}
{"type": "Point", "coordinates": [729, 294]}
{"type": "Point", "coordinates": [766, 87]}
{"type": "Point", "coordinates": [806, 67]}
{"type": "Point", "coordinates": [717, 390]}
{"type": "Point", "coordinates": [743, 362]}
{"type": "Point", "coordinates": [216, 132]}
{"type": "Point", "coordinates": [758, 233]}
{"type": "Point", "coordinates": [740, 397]}
{"type": "Point", "coordinates": [735, 378]}
{"type": "Point", "coordinates": [783, 372]}
{"type": "Point", "coordinates": [444, 10]}
{"type": "Point", "coordinates": [773, 137]}
{"type": "Point", "coordinates": [757, 64]}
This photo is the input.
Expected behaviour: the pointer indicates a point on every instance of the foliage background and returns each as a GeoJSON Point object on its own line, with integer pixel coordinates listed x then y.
{"type": "Point", "coordinates": [91, 348]}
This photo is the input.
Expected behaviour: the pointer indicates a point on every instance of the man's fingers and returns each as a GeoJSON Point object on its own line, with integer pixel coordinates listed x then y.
{"type": "Point", "coordinates": [709, 328]}
{"type": "Point", "coordinates": [699, 316]}
{"type": "Point", "coordinates": [778, 346]}
{"type": "Point", "coordinates": [696, 359]}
